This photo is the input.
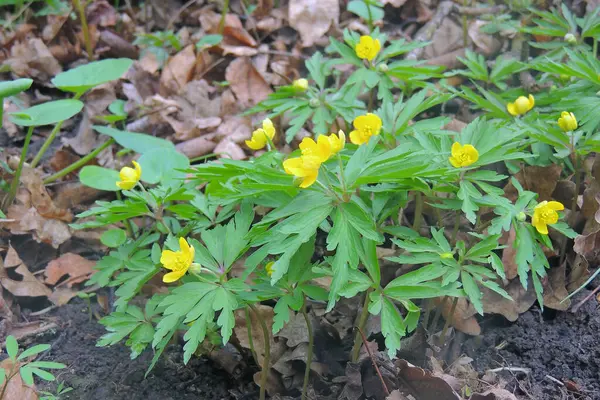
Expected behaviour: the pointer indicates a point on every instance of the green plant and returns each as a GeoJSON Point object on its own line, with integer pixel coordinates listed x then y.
{"type": "Point", "coordinates": [24, 364]}
{"type": "Point", "coordinates": [161, 44]}
{"type": "Point", "coordinates": [87, 297]}
{"type": "Point", "coordinates": [61, 389]}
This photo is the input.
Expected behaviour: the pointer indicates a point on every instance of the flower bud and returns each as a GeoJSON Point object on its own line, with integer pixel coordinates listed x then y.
{"type": "Point", "coordinates": [447, 255]}
{"type": "Point", "coordinates": [570, 38]}
{"type": "Point", "coordinates": [521, 217]}
{"type": "Point", "coordinates": [314, 103]}
{"type": "Point", "coordinates": [195, 268]}
{"type": "Point", "coordinates": [383, 67]}
{"type": "Point", "coordinates": [300, 84]}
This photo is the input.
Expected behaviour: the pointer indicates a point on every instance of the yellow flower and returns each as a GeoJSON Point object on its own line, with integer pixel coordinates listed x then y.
{"type": "Point", "coordinates": [365, 126]}
{"type": "Point", "coordinates": [463, 156]}
{"type": "Point", "coordinates": [567, 121]}
{"type": "Point", "coordinates": [269, 268]}
{"type": "Point", "coordinates": [305, 167]}
{"type": "Point", "coordinates": [129, 176]}
{"type": "Point", "coordinates": [367, 48]}
{"type": "Point", "coordinates": [259, 136]}
{"type": "Point", "coordinates": [320, 149]}
{"type": "Point", "coordinates": [337, 141]}
{"type": "Point", "coordinates": [545, 214]}
{"type": "Point", "coordinates": [177, 261]}
{"type": "Point", "coordinates": [300, 84]}
{"type": "Point", "coordinates": [521, 105]}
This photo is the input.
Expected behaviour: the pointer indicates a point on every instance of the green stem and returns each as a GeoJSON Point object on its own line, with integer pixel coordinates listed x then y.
{"type": "Point", "coordinates": [84, 27]}
{"type": "Point", "coordinates": [267, 359]}
{"type": "Point", "coordinates": [595, 48]}
{"type": "Point", "coordinates": [309, 356]}
{"type": "Point", "coordinates": [8, 378]}
{"type": "Point", "coordinates": [362, 321]}
{"type": "Point", "coordinates": [46, 144]}
{"type": "Point", "coordinates": [80, 163]}
{"type": "Point", "coordinates": [370, 21]}
{"type": "Point", "coordinates": [17, 177]}
{"type": "Point", "coordinates": [341, 176]}
{"type": "Point", "coordinates": [418, 211]}
{"type": "Point", "coordinates": [127, 222]}
{"type": "Point", "coordinates": [456, 226]}
{"type": "Point", "coordinates": [223, 16]}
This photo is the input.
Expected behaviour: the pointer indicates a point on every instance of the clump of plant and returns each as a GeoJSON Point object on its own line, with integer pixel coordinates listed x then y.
{"type": "Point", "coordinates": [23, 363]}
{"type": "Point", "coordinates": [346, 189]}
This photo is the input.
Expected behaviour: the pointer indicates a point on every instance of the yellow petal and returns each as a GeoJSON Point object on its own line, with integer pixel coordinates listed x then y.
{"type": "Point", "coordinates": [309, 179]}
{"type": "Point", "coordinates": [541, 205]}
{"type": "Point", "coordinates": [531, 102]}
{"type": "Point", "coordinates": [456, 148]}
{"type": "Point", "coordinates": [357, 138]}
{"type": "Point", "coordinates": [126, 185]}
{"type": "Point", "coordinates": [173, 276]}
{"type": "Point", "coordinates": [376, 47]}
{"type": "Point", "coordinates": [268, 128]}
{"type": "Point", "coordinates": [512, 109]}
{"type": "Point", "coordinates": [455, 163]}
{"type": "Point", "coordinates": [555, 205]}
{"type": "Point", "coordinates": [471, 152]}
{"type": "Point", "coordinates": [293, 166]}
{"type": "Point", "coordinates": [138, 169]}
{"type": "Point", "coordinates": [128, 174]}
{"type": "Point", "coordinates": [168, 259]}
{"type": "Point", "coordinates": [541, 228]}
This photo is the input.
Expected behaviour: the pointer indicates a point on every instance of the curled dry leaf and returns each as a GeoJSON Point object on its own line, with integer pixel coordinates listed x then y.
{"type": "Point", "coordinates": [463, 318]}
{"type": "Point", "coordinates": [423, 384]}
{"type": "Point", "coordinates": [579, 273]}
{"type": "Point", "coordinates": [16, 388]}
{"type": "Point", "coordinates": [178, 71]}
{"type": "Point", "coordinates": [555, 290]}
{"type": "Point", "coordinates": [73, 265]}
{"type": "Point", "coordinates": [494, 394]}
{"type": "Point", "coordinates": [28, 286]}
{"type": "Point", "coordinates": [33, 59]}
{"type": "Point", "coordinates": [101, 13]}
{"type": "Point", "coordinates": [229, 149]}
{"type": "Point", "coordinates": [265, 313]}
{"type": "Point", "coordinates": [510, 309]}
{"type": "Point", "coordinates": [85, 139]}
{"type": "Point", "coordinates": [313, 18]}
{"type": "Point", "coordinates": [353, 389]}
{"type": "Point", "coordinates": [234, 33]}
{"type": "Point", "coordinates": [249, 86]}
{"type": "Point", "coordinates": [541, 180]}
{"type": "Point", "coordinates": [40, 199]}
{"type": "Point", "coordinates": [196, 147]}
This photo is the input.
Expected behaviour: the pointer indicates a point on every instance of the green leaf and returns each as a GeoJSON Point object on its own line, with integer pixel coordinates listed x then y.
{"type": "Point", "coordinates": [209, 41]}
{"type": "Point", "coordinates": [80, 79]}
{"type": "Point", "coordinates": [27, 375]}
{"type": "Point", "coordinates": [565, 229]}
{"type": "Point", "coordinates": [11, 88]}
{"type": "Point", "coordinates": [163, 165]}
{"type": "Point", "coordinates": [361, 221]}
{"type": "Point", "coordinates": [467, 193]}
{"type": "Point", "coordinates": [47, 113]}
{"type": "Point", "coordinates": [33, 351]}
{"type": "Point", "coordinates": [117, 107]}
{"type": "Point", "coordinates": [392, 327]}
{"type": "Point", "coordinates": [113, 237]}
{"type": "Point", "coordinates": [472, 291]}
{"type": "Point", "coordinates": [361, 8]}
{"type": "Point", "coordinates": [423, 274]}
{"type": "Point", "coordinates": [12, 347]}
{"type": "Point", "coordinates": [99, 178]}
{"type": "Point", "coordinates": [2, 376]}
{"type": "Point", "coordinates": [138, 142]}
{"type": "Point", "coordinates": [45, 375]}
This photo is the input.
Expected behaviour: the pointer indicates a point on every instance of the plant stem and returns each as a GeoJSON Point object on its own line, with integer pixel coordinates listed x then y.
{"type": "Point", "coordinates": [465, 26]}
{"type": "Point", "coordinates": [84, 27]}
{"type": "Point", "coordinates": [9, 376]}
{"type": "Point", "coordinates": [16, 178]}
{"type": "Point", "coordinates": [595, 47]}
{"type": "Point", "coordinates": [438, 311]}
{"type": "Point", "coordinates": [223, 16]}
{"type": "Point", "coordinates": [573, 215]}
{"type": "Point", "coordinates": [448, 321]}
{"type": "Point", "coordinates": [80, 163]}
{"type": "Point", "coordinates": [362, 321]}
{"type": "Point", "coordinates": [267, 359]}
{"type": "Point", "coordinates": [418, 211]}
{"type": "Point", "coordinates": [385, 388]}
{"type": "Point", "coordinates": [341, 176]}
{"type": "Point", "coordinates": [309, 356]}
{"type": "Point", "coordinates": [370, 21]}
{"type": "Point", "coordinates": [46, 144]}
{"type": "Point", "coordinates": [371, 100]}
{"type": "Point", "coordinates": [456, 226]}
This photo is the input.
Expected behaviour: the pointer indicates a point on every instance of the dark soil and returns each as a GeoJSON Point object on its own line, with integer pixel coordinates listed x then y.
{"type": "Point", "coordinates": [563, 345]}
{"type": "Point", "coordinates": [107, 373]}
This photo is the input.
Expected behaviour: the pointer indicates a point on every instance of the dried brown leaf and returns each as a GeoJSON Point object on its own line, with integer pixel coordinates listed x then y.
{"type": "Point", "coordinates": [463, 318]}
{"type": "Point", "coordinates": [579, 273]}
{"type": "Point", "coordinates": [423, 383]}
{"type": "Point", "coordinates": [33, 59]}
{"type": "Point", "coordinates": [76, 267]}
{"type": "Point", "coordinates": [510, 309]}
{"type": "Point", "coordinates": [396, 395]}
{"type": "Point", "coordinates": [509, 254]}
{"type": "Point", "coordinates": [249, 86]}
{"type": "Point", "coordinates": [196, 147]}
{"type": "Point", "coordinates": [101, 13]}
{"type": "Point", "coordinates": [40, 199]}
{"type": "Point", "coordinates": [85, 139]}
{"type": "Point", "coordinates": [312, 19]}
{"type": "Point", "coordinates": [229, 149]}
{"type": "Point", "coordinates": [541, 180]}
{"type": "Point", "coordinates": [555, 290]}
{"type": "Point", "coordinates": [29, 285]}
{"type": "Point", "coordinates": [241, 330]}
{"type": "Point", "coordinates": [178, 71]}
{"type": "Point", "coordinates": [16, 388]}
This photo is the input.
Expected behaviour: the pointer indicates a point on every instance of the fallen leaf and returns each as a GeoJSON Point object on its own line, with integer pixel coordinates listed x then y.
{"type": "Point", "coordinates": [229, 149]}
{"type": "Point", "coordinates": [40, 199]}
{"type": "Point", "coordinates": [353, 389]}
{"type": "Point", "coordinates": [101, 13]}
{"type": "Point", "coordinates": [234, 33]}
{"type": "Point", "coordinates": [265, 313]}
{"type": "Point", "coordinates": [509, 254]}
{"type": "Point", "coordinates": [178, 71]}
{"type": "Point", "coordinates": [295, 331]}
{"type": "Point", "coordinates": [61, 159]}
{"type": "Point", "coordinates": [115, 46]}
{"type": "Point", "coordinates": [16, 388]}
{"type": "Point", "coordinates": [76, 267]}
{"type": "Point", "coordinates": [486, 44]}
{"type": "Point", "coordinates": [579, 273]}
{"type": "Point", "coordinates": [28, 286]}
{"type": "Point", "coordinates": [196, 147]}
{"type": "Point", "coordinates": [463, 318]}
{"type": "Point", "coordinates": [396, 395]}
{"type": "Point", "coordinates": [313, 18]}
{"type": "Point", "coordinates": [85, 140]}
{"type": "Point", "coordinates": [423, 384]}
{"type": "Point", "coordinates": [494, 394]}
{"type": "Point", "coordinates": [541, 180]}
{"type": "Point", "coordinates": [62, 296]}
{"type": "Point", "coordinates": [555, 289]}
{"type": "Point", "coordinates": [33, 59]}
{"type": "Point", "coordinates": [73, 194]}
{"type": "Point", "coordinates": [274, 384]}
{"type": "Point", "coordinates": [510, 309]}
{"type": "Point", "coordinates": [247, 83]}
{"type": "Point", "coordinates": [564, 191]}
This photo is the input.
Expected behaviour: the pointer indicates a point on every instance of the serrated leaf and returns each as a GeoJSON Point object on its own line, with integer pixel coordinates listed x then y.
{"type": "Point", "coordinates": [392, 327]}
{"type": "Point", "coordinates": [472, 291]}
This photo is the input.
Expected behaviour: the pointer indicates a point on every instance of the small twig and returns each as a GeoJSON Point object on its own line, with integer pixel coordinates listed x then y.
{"type": "Point", "coordinates": [553, 379]}
{"type": "Point", "coordinates": [511, 369]}
{"type": "Point", "coordinates": [178, 13]}
{"type": "Point", "coordinates": [576, 307]}
{"type": "Point", "coordinates": [385, 388]}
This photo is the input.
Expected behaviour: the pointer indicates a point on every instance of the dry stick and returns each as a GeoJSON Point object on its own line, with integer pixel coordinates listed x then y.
{"type": "Point", "coordinates": [267, 359]}
{"type": "Point", "coordinates": [84, 27]}
{"type": "Point", "coordinates": [448, 322]}
{"type": "Point", "coordinates": [309, 356]}
{"type": "Point", "coordinates": [361, 325]}
{"type": "Point", "coordinates": [385, 388]}
{"type": "Point", "coordinates": [576, 307]}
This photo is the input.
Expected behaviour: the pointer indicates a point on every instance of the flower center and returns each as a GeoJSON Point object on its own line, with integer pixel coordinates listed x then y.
{"type": "Point", "coordinates": [548, 215]}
